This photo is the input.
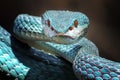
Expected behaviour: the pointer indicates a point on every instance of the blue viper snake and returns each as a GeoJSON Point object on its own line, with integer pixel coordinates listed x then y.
{"type": "Point", "coordinates": [58, 33]}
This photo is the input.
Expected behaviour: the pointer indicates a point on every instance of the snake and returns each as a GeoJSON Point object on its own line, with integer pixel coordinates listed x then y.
{"type": "Point", "coordinates": [60, 33]}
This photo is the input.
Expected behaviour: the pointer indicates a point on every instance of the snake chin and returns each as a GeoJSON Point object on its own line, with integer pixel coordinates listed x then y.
{"type": "Point", "coordinates": [67, 39]}
{"type": "Point", "coordinates": [62, 39]}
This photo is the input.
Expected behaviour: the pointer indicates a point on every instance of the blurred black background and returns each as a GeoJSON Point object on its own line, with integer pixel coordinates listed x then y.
{"type": "Point", "coordinates": [104, 18]}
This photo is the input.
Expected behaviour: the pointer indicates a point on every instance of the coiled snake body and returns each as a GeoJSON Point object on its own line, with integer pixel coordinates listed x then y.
{"type": "Point", "coordinates": [61, 33]}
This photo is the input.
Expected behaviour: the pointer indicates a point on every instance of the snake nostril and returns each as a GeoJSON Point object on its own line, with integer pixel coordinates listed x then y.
{"type": "Point", "coordinates": [52, 28]}
{"type": "Point", "coordinates": [71, 28]}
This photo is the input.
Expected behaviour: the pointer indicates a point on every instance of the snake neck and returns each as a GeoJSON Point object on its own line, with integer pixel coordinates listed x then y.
{"type": "Point", "coordinates": [69, 52]}
{"type": "Point", "coordinates": [40, 45]}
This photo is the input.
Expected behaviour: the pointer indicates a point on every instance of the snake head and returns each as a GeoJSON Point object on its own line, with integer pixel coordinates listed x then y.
{"type": "Point", "coordinates": [67, 26]}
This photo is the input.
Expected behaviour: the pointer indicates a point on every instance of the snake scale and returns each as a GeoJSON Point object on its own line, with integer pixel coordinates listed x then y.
{"type": "Point", "coordinates": [62, 34]}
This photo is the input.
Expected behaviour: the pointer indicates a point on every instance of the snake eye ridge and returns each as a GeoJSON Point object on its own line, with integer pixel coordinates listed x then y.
{"type": "Point", "coordinates": [75, 23]}
{"type": "Point", "coordinates": [70, 28]}
{"type": "Point", "coordinates": [47, 22]}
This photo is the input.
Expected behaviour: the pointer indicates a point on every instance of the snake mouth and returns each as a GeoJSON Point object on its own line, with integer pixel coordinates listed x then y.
{"type": "Point", "coordinates": [63, 35]}
{"type": "Point", "coordinates": [75, 34]}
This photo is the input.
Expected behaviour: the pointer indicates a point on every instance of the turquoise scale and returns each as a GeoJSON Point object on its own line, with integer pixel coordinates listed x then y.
{"type": "Point", "coordinates": [105, 70]}
{"type": "Point", "coordinates": [8, 61]}
{"type": "Point", "coordinates": [83, 54]}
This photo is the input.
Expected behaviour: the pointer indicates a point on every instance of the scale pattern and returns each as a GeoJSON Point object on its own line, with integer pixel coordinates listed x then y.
{"type": "Point", "coordinates": [41, 66]}
{"type": "Point", "coordinates": [95, 67]}
{"type": "Point", "coordinates": [8, 61]}
{"type": "Point", "coordinates": [30, 27]}
{"type": "Point", "coordinates": [86, 60]}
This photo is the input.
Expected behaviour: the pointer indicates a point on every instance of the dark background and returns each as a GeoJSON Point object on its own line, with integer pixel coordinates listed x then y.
{"type": "Point", "coordinates": [104, 18]}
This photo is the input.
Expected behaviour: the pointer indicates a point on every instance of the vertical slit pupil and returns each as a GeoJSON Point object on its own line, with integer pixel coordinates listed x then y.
{"type": "Point", "coordinates": [75, 23]}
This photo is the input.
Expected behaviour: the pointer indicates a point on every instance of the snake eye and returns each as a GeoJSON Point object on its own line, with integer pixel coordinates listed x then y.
{"type": "Point", "coordinates": [47, 22]}
{"type": "Point", "coordinates": [75, 23]}
{"type": "Point", "coordinates": [70, 28]}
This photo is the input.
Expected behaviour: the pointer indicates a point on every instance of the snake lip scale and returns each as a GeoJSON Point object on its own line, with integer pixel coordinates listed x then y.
{"type": "Point", "coordinates": [61, 33]}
